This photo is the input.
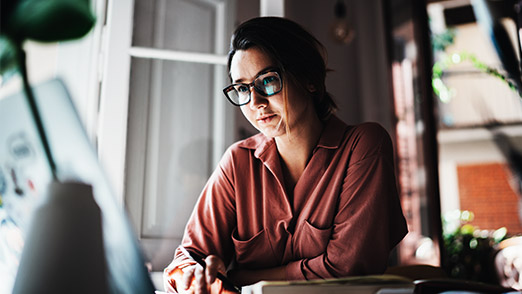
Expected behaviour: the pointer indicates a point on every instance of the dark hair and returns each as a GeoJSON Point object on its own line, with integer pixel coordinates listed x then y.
{"type": "Point", "coordinates": [298, 54]}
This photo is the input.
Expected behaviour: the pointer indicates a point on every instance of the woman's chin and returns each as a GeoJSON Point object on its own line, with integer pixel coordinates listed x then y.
{"type": "Point", "coordinates": [271, 129]}
{"type": "Point", "coordinates": [271, 133]}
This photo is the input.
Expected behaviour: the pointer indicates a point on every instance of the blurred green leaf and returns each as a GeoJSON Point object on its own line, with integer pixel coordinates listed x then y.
{"type": "Point", "coordinates": [500, 234]}
{"type": "Point", "coordinates": [441, 41]}
{"type": "Point", "coordinates": [467, 229]}
{"type": "Point", "coordinates": [42, 21]}
{"type": "Point", "coordinates": [49, 20]}
{"type": "Point", "coordinates": [8, 58]}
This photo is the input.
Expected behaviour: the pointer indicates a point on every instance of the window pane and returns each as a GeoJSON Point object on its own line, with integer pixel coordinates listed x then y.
{"type": "Point", "coordinates": [172, 25]}
{"type": "Point", "coordinates": [170, 140]}
{"type": "Point", "coordinates": [179, 121]}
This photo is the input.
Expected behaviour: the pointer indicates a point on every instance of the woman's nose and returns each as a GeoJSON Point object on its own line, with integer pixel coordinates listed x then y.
{"type": "Point", "coordinates": [257, 100]}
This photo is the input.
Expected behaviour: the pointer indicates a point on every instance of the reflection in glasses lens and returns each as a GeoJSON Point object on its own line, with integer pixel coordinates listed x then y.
{"type": "Point", "coordinates": [266, 84]}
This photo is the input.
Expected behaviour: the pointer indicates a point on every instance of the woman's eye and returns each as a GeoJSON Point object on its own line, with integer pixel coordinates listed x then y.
{"type": "Point", "coordinates": [269, 80]}
{"type": "Point", "coordinates": [242, 89]}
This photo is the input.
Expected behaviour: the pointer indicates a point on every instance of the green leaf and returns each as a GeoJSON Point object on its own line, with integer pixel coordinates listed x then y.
{"type": "Point", "coordinates": [50, 20]}
{"type": "Point", "coordinates": [8, 58]}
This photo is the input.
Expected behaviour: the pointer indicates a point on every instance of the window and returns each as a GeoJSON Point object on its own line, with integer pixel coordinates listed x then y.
{"type": "Point", "coordinates": [167, 94]}
{"type": "Point", "coordinates": [178, 125]}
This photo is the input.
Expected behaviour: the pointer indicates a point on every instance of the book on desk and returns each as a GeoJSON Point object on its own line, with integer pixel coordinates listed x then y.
{"type": "Point", "coordinates": [381, 284]}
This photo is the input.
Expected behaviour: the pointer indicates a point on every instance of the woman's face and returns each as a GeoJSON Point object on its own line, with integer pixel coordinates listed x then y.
{"type": "Point", "coordinates": [267, 113]}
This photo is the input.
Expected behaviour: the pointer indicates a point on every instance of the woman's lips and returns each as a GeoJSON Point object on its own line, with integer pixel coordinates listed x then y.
{"type": "Point", "coordinates": [264, 119]}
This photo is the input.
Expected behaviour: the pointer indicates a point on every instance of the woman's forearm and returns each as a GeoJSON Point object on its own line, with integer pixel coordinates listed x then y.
{"type": "Point", "coordinates": [248, 277]}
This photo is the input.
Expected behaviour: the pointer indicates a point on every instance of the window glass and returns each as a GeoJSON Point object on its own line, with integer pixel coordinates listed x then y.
{"type": "Point", "coordinates": [182, 25]}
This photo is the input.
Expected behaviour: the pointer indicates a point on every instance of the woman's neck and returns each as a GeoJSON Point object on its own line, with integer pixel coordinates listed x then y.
{"type": "Point", "coordinates": [296, 147]}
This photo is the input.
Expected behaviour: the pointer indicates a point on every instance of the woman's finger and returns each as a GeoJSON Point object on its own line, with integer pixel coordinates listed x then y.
{"type": "Point", "coordinates": [214, 265]}
{"type": "Point", "coordinates": [200, 281]}
{"type": "Point", "coordinates": [188, 275]}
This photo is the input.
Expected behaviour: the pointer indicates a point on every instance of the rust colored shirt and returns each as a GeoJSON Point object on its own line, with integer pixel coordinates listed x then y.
{"type": "Point", "coordinates": [342, 218]}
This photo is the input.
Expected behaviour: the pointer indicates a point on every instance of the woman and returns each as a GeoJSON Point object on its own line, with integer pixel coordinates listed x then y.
{"type": "Point", "coordinates": [308, 197]}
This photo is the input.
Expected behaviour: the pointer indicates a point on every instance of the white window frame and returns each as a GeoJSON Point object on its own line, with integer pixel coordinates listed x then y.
{"type": "Point", "coordinates": [114, 101]}
{"type": "Point", "coordinates": [114, 94]}
{"type": "Point", "coordinates": [114, 109]}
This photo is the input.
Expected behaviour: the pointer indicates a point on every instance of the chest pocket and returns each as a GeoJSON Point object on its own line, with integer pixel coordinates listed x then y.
{"type": "Point", "coordinates": [255, 252]}
{"type": "Point", "coordinates": [310, 241]}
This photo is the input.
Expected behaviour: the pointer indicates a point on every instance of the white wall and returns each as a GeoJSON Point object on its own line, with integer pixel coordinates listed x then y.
{"type": "Point", "coordinates": [342, 82]}
{"type": "Point", "coordinates": [359, 81]}
{"type": "Point", "coordinates": [41, 66]}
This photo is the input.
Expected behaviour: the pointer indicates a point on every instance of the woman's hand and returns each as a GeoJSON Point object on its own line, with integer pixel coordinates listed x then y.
{"type": "Point", "coordinates": [195, 279]}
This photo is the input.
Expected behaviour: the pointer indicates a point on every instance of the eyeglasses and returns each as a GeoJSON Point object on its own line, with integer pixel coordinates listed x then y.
{"type": "Point", "coordinates": [266, 84]}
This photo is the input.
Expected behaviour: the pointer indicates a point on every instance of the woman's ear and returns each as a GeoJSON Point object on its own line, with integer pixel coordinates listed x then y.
{"type": "Point", "coordinates": [311, 88]}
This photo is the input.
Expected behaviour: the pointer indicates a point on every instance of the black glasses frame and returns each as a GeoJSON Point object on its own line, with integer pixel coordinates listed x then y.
{"type": "Point", "coordinates": [252, 85]}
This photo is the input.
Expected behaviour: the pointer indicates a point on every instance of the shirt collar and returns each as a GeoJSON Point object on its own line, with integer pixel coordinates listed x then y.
{"type": "Point", "coordinates": [259, 142]}
{"type": "Point", "coordinates": [333, 133]}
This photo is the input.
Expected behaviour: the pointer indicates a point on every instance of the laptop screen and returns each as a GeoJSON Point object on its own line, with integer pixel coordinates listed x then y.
{"type": "Point", "coordinates": [25, 177]}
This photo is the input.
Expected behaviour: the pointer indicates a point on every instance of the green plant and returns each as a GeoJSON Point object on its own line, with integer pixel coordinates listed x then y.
{"type": "Point", "coordinates": [443, 92]}
{"type": "Point", "coordinates": [42, 21]}
{"type": "Point", "coordinates": [467, 249]}
{"type": "Point", "coordinates": [440, 42]}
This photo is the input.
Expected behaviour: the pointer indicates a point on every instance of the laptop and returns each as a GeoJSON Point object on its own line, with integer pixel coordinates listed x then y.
{"type": "Point", "coordinates": [26, 182]}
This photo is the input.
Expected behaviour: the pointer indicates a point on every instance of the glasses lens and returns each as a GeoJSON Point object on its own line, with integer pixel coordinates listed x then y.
{"type": "Point", "coordinates": [238, 94]}
{"type": "Point", "coordinates": [268, 84]}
